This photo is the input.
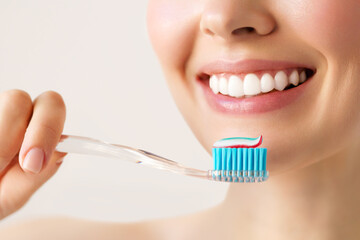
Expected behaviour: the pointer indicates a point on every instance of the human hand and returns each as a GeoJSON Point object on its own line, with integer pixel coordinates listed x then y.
{"type": "Point", "coordinates": [29, 133]}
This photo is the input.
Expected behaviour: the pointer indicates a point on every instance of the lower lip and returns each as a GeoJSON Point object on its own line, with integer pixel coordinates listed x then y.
{"type": "Point", "coordinates": [252, 105]}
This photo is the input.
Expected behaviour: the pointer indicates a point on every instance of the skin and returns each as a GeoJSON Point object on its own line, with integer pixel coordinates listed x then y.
{"type": "Point", "coordinates": [313, 143]}
{"type": "Point", "coordinates": [313, 162]}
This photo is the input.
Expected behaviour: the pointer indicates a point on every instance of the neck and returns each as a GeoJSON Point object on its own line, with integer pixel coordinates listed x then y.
{"type": "Point", "coordinates": [321, 200]}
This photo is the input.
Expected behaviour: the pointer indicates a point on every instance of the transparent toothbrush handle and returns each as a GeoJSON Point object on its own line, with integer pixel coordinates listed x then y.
{"type": "Point", "coordinates": [89, 146]}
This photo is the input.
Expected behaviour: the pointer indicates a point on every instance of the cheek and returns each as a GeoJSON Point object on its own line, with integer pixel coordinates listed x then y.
{"type": "Point", "coordinates": [172, 29]}
{"type": "Point", "coordinates": [173, 26]}
{"type": "Point", "coordinates": [332, 26]}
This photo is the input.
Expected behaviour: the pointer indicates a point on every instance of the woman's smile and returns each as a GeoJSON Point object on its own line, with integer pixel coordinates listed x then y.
{"type": "Point", "coordinates": [252, 86]}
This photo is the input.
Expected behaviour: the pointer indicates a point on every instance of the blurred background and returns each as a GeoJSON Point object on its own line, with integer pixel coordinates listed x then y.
{"type": "Point", "coordinates": [97, 55]}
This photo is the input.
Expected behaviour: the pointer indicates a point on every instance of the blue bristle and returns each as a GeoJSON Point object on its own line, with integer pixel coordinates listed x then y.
{"type": "Point", "coordinates": [233, 153]}
{"type": "Point", "coordinates": [228, 162]}
{"type": "Point", "coordinates": [217, 159]}
{"type": "Point", "coordinates": [245, 162]}
{"type": "Point", "coordinates": [223, 158]}
{"type": "Point", "coordinates": [256, 160]}
{"type": "Point", "coordinates": [238, 164]}
{"type": "Point", "coordinates": [261, 160]}
{"type": "Point", "coordinates": [251, 159]}
{"type": "Point", "coordinates": [239, 159]}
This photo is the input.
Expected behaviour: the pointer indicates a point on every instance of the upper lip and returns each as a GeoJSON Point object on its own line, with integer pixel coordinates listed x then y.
{"type": "Point", "coordinates": [248, 66]}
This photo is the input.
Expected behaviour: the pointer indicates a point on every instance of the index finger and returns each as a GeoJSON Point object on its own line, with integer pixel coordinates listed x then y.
{"type": "Point", "coordinates": [44, 131]}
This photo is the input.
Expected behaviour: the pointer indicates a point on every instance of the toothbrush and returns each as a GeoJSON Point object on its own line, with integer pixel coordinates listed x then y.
{"type": "Point", "coordinates": [235, 159]}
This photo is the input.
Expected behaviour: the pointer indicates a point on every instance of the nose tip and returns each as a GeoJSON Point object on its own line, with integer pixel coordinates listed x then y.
{"type": "Point", "coordinates": [229, 19]}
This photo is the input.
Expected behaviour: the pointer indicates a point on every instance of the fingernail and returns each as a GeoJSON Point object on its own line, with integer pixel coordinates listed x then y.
{"type": "Point", "coordinates": [34, 160]}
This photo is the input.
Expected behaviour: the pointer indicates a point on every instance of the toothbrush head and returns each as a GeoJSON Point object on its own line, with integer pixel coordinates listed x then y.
{"type": "Point", "coordinates": [239, 159]}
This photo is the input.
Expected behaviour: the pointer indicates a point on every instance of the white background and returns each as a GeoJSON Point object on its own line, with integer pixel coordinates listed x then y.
{"type": "Point", "coordinates": [98, 56]}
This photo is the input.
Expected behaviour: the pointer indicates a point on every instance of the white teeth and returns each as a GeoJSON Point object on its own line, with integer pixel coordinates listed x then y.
{"type": "Point", "coordinates": [214, 84]}
{"type": "Point", "coordinates": [223, 86]}
{"type": "Point", "coordinates": [267, 83]}
{"type": "Point", "coordinates": [251, 84]}
{"type": "Point", "coordinates": [302, 77]}
{"type": "Point", "coordinates": [235, 87]}
{"type": "Point", "coordinates": [294, 78]}
{"type": "Point", "coordinates": [281, 81]}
